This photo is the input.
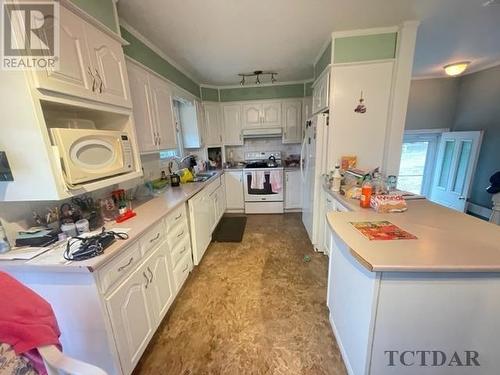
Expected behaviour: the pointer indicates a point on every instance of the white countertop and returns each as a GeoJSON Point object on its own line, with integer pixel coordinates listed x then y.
{"type": "Point", "coordinates": [148, 214]}
{"type": "Point", "coordinates": [448, 241]}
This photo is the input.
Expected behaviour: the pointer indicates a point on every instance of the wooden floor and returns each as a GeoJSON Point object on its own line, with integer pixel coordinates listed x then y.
{"type": "Point", "coordinates": [253, 307]}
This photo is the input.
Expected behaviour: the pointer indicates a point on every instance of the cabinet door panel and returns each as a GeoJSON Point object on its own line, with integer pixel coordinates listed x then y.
{"type": "Point", "coordinates": [130, 317]}
{"type": "Point", "coordinates": [108, 64]}
{"type": "Point", "coordinates": [232, 124]}
{"type": "Point", "coordinates": [213, 124]}
{"type": "Point", "coordinates": [292, 127]}
{"type": "Point", "coordinates": [271, 114]}
{"type": "Point", "coordinates": [234, 190]}
{"type": "Point", "coordinates": [160, 287]}
{"type": "Point", "coordinates": [252, 115]}
{"type": "Point", "coordinates": [163, 113]}
{"type": "Point", "coordinates": [293, 190]}
{"type": "Point", "coordinates": [73, 76]}
{"type": "Point", "coordinates": [142, 106]}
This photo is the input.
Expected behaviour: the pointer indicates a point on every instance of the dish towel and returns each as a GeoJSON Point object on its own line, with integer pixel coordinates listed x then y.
{"type": "Point", "coordinates": [276, 181]}
{"type": "Point", "coordinates": [258, 178]}
{"type": "Point", "coordinates": [26, 320]}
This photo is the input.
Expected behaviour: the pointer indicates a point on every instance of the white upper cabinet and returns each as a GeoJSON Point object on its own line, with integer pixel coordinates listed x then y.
{"type": "Point", "coordinates": [232, 124]}
{"type": "Point", "coordinates": [91, 66]}
{"type": "Point", "coordinates": [74, 75]}
{"type": "Point", "coordinates": [191, 123]}
{"type": "Point", "coordinates": [252, 115]}
{"type": "Point", "coordinates": [271, 114]}
{"type": "Point", "coordinates": [163, 113]}
{"type": "Point", "coordinates": [213, 124]}
{"type": "Point", "coordinates": [292, 121]}
{"type": "Point", "coordinates": [321, 92]}
{"type": "Point", "coordinates": [108, 64]}
{"type": "Point", "coordinates": [262, 114]}
{"type": "Point", "coordinates": [142, 105]}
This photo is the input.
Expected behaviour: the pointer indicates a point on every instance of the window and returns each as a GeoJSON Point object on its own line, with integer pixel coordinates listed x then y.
{"type": "Point", "coordinates": [417, 161]}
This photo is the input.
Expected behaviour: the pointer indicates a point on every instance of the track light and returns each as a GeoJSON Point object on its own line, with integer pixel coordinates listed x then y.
{"type": "Point", "coordinates": [257, 80]}
{"type": "Point", "coordinates": [257, 74]}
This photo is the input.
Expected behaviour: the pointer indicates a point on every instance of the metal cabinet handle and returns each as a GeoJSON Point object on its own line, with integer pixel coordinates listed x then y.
{"type": "Point", "coordinates": [93, 78]}
{"type": "Point", "coordinates": [155, 238]}
{"type": "Point", "coordinates": [120, 269]}
{"type": "Point", "coordinates": [461, 198]}
{"type": "Point", "coordinates": [151, 273]}
{"type": "Point", "coordinates": [178, 217]}
{"type": "Point", "coordinates": [100, 81]}
{"type": "Point", "coordinates": [183, 249]}
{"type": "Point", "coordinates": [147, 280]}
{"type": "Point", "coordinates": [180, 234]}
{"type": "Point", "coordinates": [185, 268]}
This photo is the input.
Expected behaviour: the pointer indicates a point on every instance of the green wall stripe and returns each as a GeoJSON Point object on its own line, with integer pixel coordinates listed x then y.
{"type": "Point", "coordinates": [264, 92]}
{"type": "Point", "coordinates": [102, 10]}
{"type": "Point", "coordinates": [142, 53]}
{"type": "Point", "coordinates": [209, 94]}
{"type": "Point", "coordinates": [324, 60]}
{"type": "Point", "coordinates": [309, 89]}
{"type": "Point", "coordinates": [365, 48]}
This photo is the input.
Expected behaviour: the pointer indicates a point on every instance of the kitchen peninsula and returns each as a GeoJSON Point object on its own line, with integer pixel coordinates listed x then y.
{"type": "Point", "coordinates": [407, 306]}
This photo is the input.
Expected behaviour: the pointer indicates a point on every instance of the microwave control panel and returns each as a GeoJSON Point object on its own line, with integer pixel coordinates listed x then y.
{"type": "Point", "coordinates": [128, 157]}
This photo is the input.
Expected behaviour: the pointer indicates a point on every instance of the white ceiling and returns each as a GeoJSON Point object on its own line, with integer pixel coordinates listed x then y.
{"type": "Point", "coordinates": [213, 40]}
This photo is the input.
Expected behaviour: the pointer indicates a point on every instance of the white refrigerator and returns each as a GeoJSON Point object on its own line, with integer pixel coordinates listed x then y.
{"type": "Point", "coordinates": [313, 165]}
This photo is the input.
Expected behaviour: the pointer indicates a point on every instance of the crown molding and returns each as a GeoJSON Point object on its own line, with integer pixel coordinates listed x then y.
{"type": "Point", "coordinates": [322, 50]}
{"type": "Point", "coordinates": [156, 50]}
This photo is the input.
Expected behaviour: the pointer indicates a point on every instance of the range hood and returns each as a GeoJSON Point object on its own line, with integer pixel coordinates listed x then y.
{"type": "Point", "coordinates": [262, 133]}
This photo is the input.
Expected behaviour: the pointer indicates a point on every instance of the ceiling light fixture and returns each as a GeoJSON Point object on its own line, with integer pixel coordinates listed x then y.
{"type": "Point", "coordinates": [456, 69]}
{"type": "Point", "coordinates": [258, 74]}
{"type": "Point", "coordinates": [491, 2]}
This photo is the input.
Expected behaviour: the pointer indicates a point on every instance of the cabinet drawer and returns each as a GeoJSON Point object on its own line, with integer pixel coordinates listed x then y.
{"type": "Point", "coordinates": [181, 271]}
{"type": "Point", "coordinates": [119, 267]}
{"type": "Point", "coordinates": [152, 237]}
{"type": "Point", "coordinates": [179, 215]}
{"type": "Point", "coordinates": [180, 250]}
{"type": "Point", "coordinates": [178, 233]}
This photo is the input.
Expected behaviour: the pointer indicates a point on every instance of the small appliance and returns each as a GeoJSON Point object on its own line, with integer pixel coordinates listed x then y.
{"type": "Point", "coordinates": [89, 154]}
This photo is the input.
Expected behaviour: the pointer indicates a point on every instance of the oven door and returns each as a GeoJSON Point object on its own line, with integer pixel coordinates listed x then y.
{"type": "Point", "coordinates": [262, 190]}
{"type": "Point", "coordinates": [88, 155]}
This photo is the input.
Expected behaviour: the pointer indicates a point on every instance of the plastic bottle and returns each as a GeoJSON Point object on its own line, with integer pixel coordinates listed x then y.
{"type": "Point", "coordinates": [366, 193]}
{"type": "Point", "coordinates": [4, 244]}
{"type": "Point", "coordinates": [337, 179]}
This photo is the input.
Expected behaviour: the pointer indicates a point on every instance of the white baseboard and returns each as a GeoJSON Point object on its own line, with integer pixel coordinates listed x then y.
{"type": "Point", "coordinates": [479, 210]}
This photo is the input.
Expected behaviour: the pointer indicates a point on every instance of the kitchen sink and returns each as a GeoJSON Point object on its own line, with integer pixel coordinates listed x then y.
{"type": "Point", "coordinates": [202, 177]}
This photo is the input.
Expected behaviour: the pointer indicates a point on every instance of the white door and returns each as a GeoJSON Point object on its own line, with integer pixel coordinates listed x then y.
{"type": "Point", "coordinates": [271, 114]}
{"type": "Point", "coordinates": [232, 124]}
{"type": "Point", "coordinates": [130, 317]}
{"type": "Point", "coordinates": [213, 124]}
{"type": "Point", "coordinates": [252, 115]}
{"type": "Point", "coordinates": [293, 190]}
{"type": "Point", "coordinates": [292, 121]}
{"type": "Point", "coordinates": [74, 75]}
{"type": "Point", "coordinates": [163, 113]}
{"type": "Point", "coordinates": [142, 107]}
{"type": "Point", "coordinates": [108, 66]}
{"type": "Point", "coordinates": [160, 287]}
{"type": "Point", "coordinates": [234, 190]}
{"type": "Point", "coordinates": [455, 165]}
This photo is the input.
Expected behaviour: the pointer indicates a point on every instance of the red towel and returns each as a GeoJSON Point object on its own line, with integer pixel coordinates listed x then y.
{"type": "Point", "coordinates": [26, 319]}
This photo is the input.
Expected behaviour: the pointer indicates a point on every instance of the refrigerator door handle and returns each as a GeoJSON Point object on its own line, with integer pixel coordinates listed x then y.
{"type": "Point", "coordinates": [302, 158]}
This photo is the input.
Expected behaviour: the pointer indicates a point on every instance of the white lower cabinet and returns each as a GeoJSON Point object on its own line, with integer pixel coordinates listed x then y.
{"type": "Point", "coordinates": [235, 199]}
{"type": "Point", "coordinates": [131, 320]}
{"type": "Point", "coordinates": [293, 190]}
{"type": "Point", "coordinates": [161, 289]}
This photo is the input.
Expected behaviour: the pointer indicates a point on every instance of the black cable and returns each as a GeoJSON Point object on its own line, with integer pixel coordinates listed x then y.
{"type": "Point", "coordinates": [91, 246]}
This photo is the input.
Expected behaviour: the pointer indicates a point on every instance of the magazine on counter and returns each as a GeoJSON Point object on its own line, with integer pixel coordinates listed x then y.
{"type": "Point", "coordinates": [382, 230]}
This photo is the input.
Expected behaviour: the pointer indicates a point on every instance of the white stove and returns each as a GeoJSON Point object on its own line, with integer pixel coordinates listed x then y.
{"type": "Point", "coordinates": [263, 182]}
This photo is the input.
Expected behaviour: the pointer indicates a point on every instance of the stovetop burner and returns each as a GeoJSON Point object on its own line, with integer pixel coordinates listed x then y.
{"type": "Point", "coordinates": [259, 164]}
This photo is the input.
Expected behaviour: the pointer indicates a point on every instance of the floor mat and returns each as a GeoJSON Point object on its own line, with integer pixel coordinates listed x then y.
{"type": "Point", "coordinates": [230, 229]}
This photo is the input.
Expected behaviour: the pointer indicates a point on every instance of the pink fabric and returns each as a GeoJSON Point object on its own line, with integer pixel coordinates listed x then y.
{"type": "Point", "coordinates": [276, 181]}
{"type": "Point", "coordinates": [26, 320]}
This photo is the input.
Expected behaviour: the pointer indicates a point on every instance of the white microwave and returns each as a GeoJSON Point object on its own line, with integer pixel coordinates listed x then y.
{"type": "Point", "coordinates": [89, 154]}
